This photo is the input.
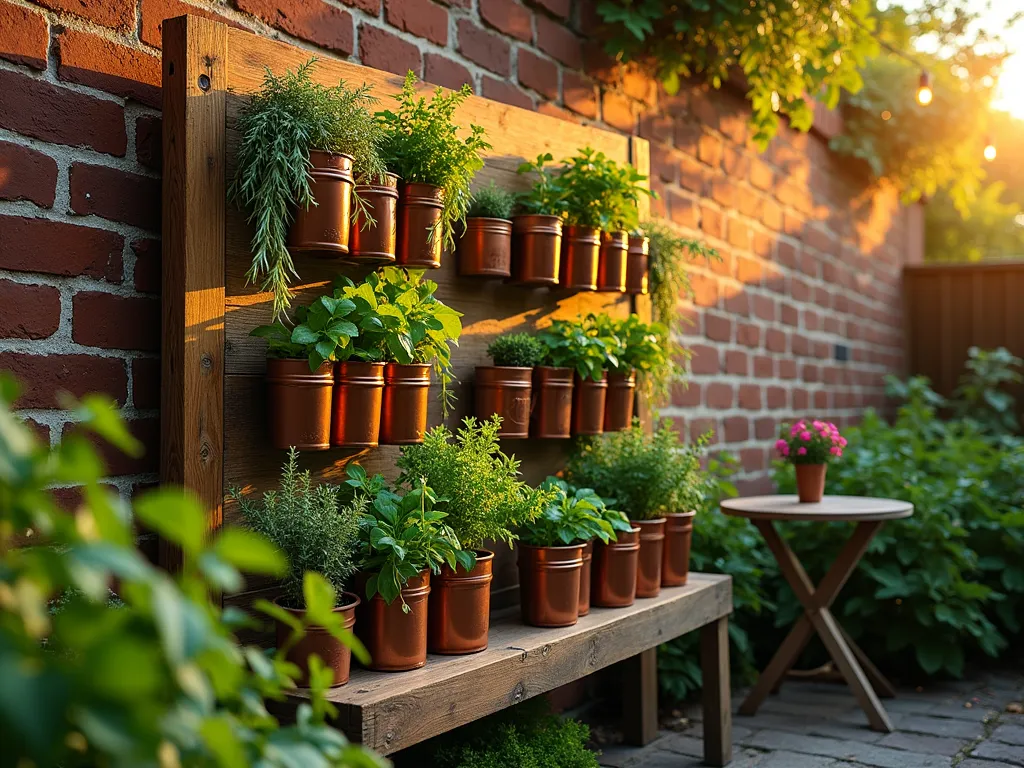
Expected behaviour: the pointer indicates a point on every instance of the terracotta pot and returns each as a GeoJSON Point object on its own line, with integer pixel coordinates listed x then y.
{"type": "Point", "coordinates": [810, 482]}
{"type": "Point", "coordinates": [613, 577]}
{"type": "Point", "coordinates": [358, 392]}
{"type": "Point", "coordinates": [324, 228]}
{"type": "Point", "coordinates": [396, 640]}
{"type": "Point", "coordinates": [581, 248]}
{"type": "Point", "coordinates": [611, 265]}
{"type": "Point", "coordinates": [536, 249]}
{"type": "Point", "coordinates": [333, 653]}
{"type": "Point", "coordinates": [375, 244]}
{"type": "Point", "coordinates": [403, 413]}
{"type": "Point", "coordinates": [460, 608]}
{"type": "Point", "coordinates": [588, 558]}
{"type": "Point", "coordinates": [549, 584]}
{"type": "Point", "coordinates": [485, 249]}
{"type": "Point", "coordinates": [638, 265]}
{"type": "Point", "coordinates": [675, 560]}
{"type": "Point", "coordinates": [648, 567]}
{"type": "Point", "coordinates": [505, 390]}
{"type": "Point", "coordinates": [551, 402]}
{"type": "Point", "coordinates": [419, 211]}
{"type": "Point", "coordinates": [299, 404]}
{"type": "Point", "coordinates": [618, 406]}
{"type": "Point", "coordinates": [588, 398]}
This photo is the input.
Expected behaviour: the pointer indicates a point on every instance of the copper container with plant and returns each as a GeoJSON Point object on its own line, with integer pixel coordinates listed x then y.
{"type": "Point", "coordinates": [356, 406]}
{"type": "Point", "coordinates": [537, 230]}
{"type": "Point", "coordinates": [613, 576]}
{"type": "Point", "coordinates": [809, 445]}
{"type": "Point", "coordinates": [648, 567]}
{"type": "Point", "coordinates": [588, 401]}
{"type": "Point", "coordinates": [551, 402]}
{"type": "Point", "coordinates": [420, 225]}
{"type": "Point", "coordinates": [618, 407]}
{"type": "Point", "coordinates": [588, 557]}
{"type": "Point", "coordinates": [637, 265]}
{"type": "Point", "coordinates": [574, 344]}
{"type": "Point", "coordinates": [403, 414]}
{"type": "Point", "coordinates": [505, 388]}
{"type": "Point", "coordinates": [549, 584]}
{"type": "Point", "coordinates": [676, 555]}
{"type": "Point", "coordinates": [460, 606]}
{"type": "Point", "coordinates": [581, 248]}
{"type": "Point", "coordinates": [395, 633]}
{"type": "Point", "coordinates": [374, 233]}
{"type": "Point", "coordinates": [612, 262]}
{"type": "Point", "coordinates": [323, 228]}
{"type": "Point", "coordinates": [485, 248]}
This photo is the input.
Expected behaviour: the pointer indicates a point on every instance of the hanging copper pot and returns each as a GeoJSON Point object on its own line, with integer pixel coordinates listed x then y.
{"type": "Point", "coordinates": [358, 392]}
{"type": "Point", "coordinates": [675, 562]}
{"type": "Point", "coordinates": [504, 390]}
{"type": "Point", "coordinates": [613, 576]}
{"type": "Point", "coordinates": [652, 542]}
{"type": "Point", "coordinates": [460, 608]}
{"type": "Point", "coordinates": [588, 556]}
{"type": "Point", "coordinates": [581, 248]}
{"type": "Point", "coordinates": [588, 398]}
{"type": "Point", "coordinates": [323, 228]}
{"type": "Point", "coordinates": [637, 264]}
{"type": "Point", "coordinates": [299, 404]}
{"type": "Point", "coordinates": [375, 243]}
{"type": "Point", "coordinates": [810, 482]}
{"type": "Point", "coordinates": [536, 249]}
{"type": "Point", "coordinates": [403, 415]}
{"type": "Point", "coordinates": [395, 640]}
{"type": "Point", "coordinates": [485, 249]}
{"type": "Point", "coordinates": [551, 402]}
{"type": "Point", "coordinates": [618, 406]}
{"type": "Point", "coordinates": [549, 584]}
{"type": "Point", "coordinates": [611, 265]}
{"type": "Point", "coordinates": [420, 237]}
{"type": "Point", "coordinates": [335, 655]}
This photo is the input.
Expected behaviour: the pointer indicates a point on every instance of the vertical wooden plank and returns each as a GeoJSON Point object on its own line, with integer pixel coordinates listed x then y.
{"type": "Point", "coordinates": [714, 662]}
{"type": "Point", "coordinates": [192, 363]}
{"type": "Point", "coordinates": [640, 698]}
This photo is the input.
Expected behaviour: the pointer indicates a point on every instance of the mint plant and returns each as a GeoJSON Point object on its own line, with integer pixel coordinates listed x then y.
{"type": "Point", "coordinates": [569, 344]}
{"type": "Point", "coordinates": [598, 192]}
{"type": "Point", "coordinates": [545, 196]}
{"type": "Point", "coordinates": [324, 332]}
{"type": "Point", "coordinates": [571, 518]}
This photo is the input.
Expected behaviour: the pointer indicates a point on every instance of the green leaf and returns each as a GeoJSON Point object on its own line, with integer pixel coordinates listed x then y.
{"type": "Point", "coordinates": [250, 552]}
{"type": "Point", "coordinates": [174, 515]}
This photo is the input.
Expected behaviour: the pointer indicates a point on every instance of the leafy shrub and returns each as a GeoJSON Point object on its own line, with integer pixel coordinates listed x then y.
{"type": "Point", "coordinates": [544, 197]}
{"type": "Point", "coordinates": [981, 397]}
{"type": "Point", "coordinates": [598, 192]}
{"type": "Point", "coordinates": [571, 344]}
{"type": "Point", "coordinates": [518, 350]}
{"type": "Point", "coordinates": [492, 202]}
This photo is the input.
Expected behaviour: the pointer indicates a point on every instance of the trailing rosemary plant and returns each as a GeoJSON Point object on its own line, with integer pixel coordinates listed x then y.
{"type": "Point", "coordinates": [668, 276]}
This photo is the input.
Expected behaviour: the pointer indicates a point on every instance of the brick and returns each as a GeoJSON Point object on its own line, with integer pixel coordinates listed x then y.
{"type": "Point", "coordinates": [718, 396]}
{"type": "Point", "coordinates": [56, 248]}
{"type": "Point", "coordinates": [559, 43]}
{"type": "Point", "coordinates": [149, 141]}
{"type": "Point", "coordinates": [372, 7]}
{"type": "Point", "coordinates": [440, 70]}
{"type": "Point", "coordinates": [775, 398]}
{"type": "Point", "coordinates": [484, 48]}
{"type": "Point", "coordinates": [93, 61]}
{"type": "Point", "coordinates": [154, 12]}
{"type": "Point", "coordinates": [717, 328]}
{"type": "Point", "coordinates": [48, 112]}
{"type": "Point", "coordinates": [147, 265]}
{"type": "Point", "coordinates": [146, 383]}
{"type": "Point", "coordinates": [740, 234]}
{"type": "Point", "coordinates": [748, 334]}
{"type": "Point", "coordinates": [801, 399]}
{"type": "Point", "coordinates": [712, 222]}
{"type": "Point", "coordinates": [146, 431]}
{"type": "Point", "coordinates": [761, 175]}
{"type": "Point", "coordinates": [771, 215]}
{"type": "Point", "coordinates": [683, 210]}
{"type": "Point", "coordinates": [775, 340]}
{"type": "Point", "coordinates": [748, 271]}
{"type": "Point", "coordinates": [113, 194]}
{"type": "Point", "coordinates": [723, 192]}
{"type": "Point", "coordinates": [116, 14]}
{"type": "Point", "coordinates": [421, 18]}
{"type": "Point", "coordinates": [821, 400]}
{"type": "Point", "coordinates": [498, 90]}
{"type": "Point", "coordinates": [705, 290]}
{"type": "Point", "coordinates": [810, 373]}
{"type": "Point", "coordinates": [704, 360]}
{"type": "Point", "coordinates": [686, 395]}
{"type": "Point", "coordinates": [790, 315]}
{"type": "Point", "coordinates": [116, 322]}
{"type": "Point", "coordinates": [28, 311]}
{"type": "Point", "coordinates": [737, 302]}
{"type": "Point", "coordinates": [801, 345]}
{"type": "Point", "coordinates": [765, 429]}
{"type": "Point", "coordinates": [750, 397]}
{"type": "Point", "coordinates": [559, 8]}
{"type": "Point", "coordinates": [579, 94]}
{"type": "Point", "coordinates": [764, 367]}
{"type": "Point", "coordinates": [24, 37]}
{"type": "Point", "coordinates": [709, 150]}
{"type": "Point", "coordinates": [736, 363]}
{"type": "Point", "coordinates": [617, 111]}
{"type": "Point", "coordinates": [537, 73]}
{"type": "Point", "coordinates": [656, 127]}
{"type": "Point", "coordinates": [547, 108]}
{"type": "Point", "coordinates": [754, 460]}
{"type": "Point", "coordinates": [46, 375]}
{"type": "Point", "coordinates": [736, 429]}
{"type": "Point", "coordinates": [311, 20]}
{"type": "Point", "coordinates": [26, 174]}
{"type": "Point", "coordinates": [692, 175]}
{"type": "Point", "coordinates": [508, 17]}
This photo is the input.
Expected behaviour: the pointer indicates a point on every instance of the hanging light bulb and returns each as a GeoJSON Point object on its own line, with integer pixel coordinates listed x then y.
{"type": "Point", "coordinates": [990, 149]}
{"type": "Point", "coordinates": [924, 89]}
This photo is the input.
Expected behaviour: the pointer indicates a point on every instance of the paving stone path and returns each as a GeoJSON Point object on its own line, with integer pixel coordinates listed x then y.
{"type": "Point", "coordinates": [969, 724]}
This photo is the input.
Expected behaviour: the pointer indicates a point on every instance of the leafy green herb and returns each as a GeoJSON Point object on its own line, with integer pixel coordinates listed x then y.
{"type": "Point", "coordinates": [325, 332]}
{"type": "Point", "coordinates": [569, 344]}
{"type": "Point", "coordinates": [598, 192]}
{"type": "Point", "coordinates": [516, 350]}
{"type": "Point", "coordinates": [669, 280]}
{"type": "Point", "coordinates": [492, 202]}
{"type": "Point", "coordinates": [572, 517]}
{"type": "Point", "coordinates": [545, 196]}
{"type": "Point", "coordinates": [646, 348]}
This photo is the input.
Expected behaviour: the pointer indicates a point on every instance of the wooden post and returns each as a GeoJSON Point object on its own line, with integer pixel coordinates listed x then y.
{"type": "Point", "coordinates": [640, 699]}
{"type": "Point", "coordinates": [714, 662]}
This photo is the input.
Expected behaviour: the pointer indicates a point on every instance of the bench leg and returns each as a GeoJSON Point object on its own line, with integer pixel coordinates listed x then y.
{"type": "Point", "coordinates": [714, 659]}
{"type": "Point", "coordinates": [640, 698]}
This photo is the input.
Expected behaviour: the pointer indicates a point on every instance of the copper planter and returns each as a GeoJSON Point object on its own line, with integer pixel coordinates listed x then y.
{"type": "Point", "coordinates": [581, 248]}
{"type": "Point", "coordinates": [299, 404]}
{"type": "Point", "coordinates": [324, 228]}
{"type": "Point", "coordinates": [611, 264]}
{"type": "Point", "coordinates": [638, 265]}
{"type": "Point", "coordinates": [648, 568]}
{"type": "Point", "coordinates": [549, 584]}
{"type": "Point", "coordinates": [403, 413]}
{"type": "Point", "coordinates": [588, 557]}
{"type": "Point", "coordinates": [588, 399]}
{"type": "Point", "coordinates": [613, 575]}
{"type": "Point", "coordinates": [810, 482]}
{"type": "Point", "coordinates": [536, 249]}
{"type": "Point", "coordinates": [675, 560]}
{"type": "Point", "coordinates": [358, 392]}
{"type": "Point", "coordinates": [460, 608]}
{"type": "Point", "coordinates": [618, 406]}
{"type": "Point", "coordinates": [551, 402]}
{"type": "Point", "coordinates": [375, 243]}
{"type": "Point", "coordinates": [505, 390]}
{"type": "Point", "coordinates": [335, 655]}
{"type": "Point", "coordinates": [419, 232]}
{"type": "Point", "coordinates": [485, 249]}
{"type": "Point", "coordinates": [396, 641]}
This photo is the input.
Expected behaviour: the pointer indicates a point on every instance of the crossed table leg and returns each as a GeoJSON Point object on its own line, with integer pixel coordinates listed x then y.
{"type": "Point", "coordinates": [862, 676]}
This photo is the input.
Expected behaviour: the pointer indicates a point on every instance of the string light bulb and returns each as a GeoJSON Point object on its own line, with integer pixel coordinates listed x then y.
{"type": "Point", "coordinates": [924, 89]}
{"type": "Point", "coordinates": [990, 149]}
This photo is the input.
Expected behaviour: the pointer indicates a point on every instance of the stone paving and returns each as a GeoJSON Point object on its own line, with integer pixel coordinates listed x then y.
{"type": "Point", "coordinates": [977, 724]}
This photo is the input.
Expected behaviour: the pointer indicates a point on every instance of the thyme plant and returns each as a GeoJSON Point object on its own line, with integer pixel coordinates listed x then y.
{"type": "Point", "coordinates": [492, 202]}
{"type": "Point", "coordinates": [516, 350]}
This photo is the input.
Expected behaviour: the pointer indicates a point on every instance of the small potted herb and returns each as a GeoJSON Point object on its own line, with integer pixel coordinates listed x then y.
{"type": "Point", "coordinates": [809, 446]}
{"type": "Point", "coordinates": [505, 388]}
{"type": "Point", "coordinates": [374, 235]}
{"type": "Point", "coordinates": [579, 347]}
{"type": "Point", "coordinates": [688, 485]}
{"type": "Point", "coordinates": [624, 188]}
{"type": "Point", "coordinates": [479, 488]}
{"type": "Point", "coordinates": [637, 263]}
{"type": "Point", "coordinates": [422, 145]}
{"type": "Point", "coordinates": [537, 230]}
{"type": "Point", "coordinates": [614, 568]}
{"type": "Point", "coordinates": [485, 249]}
{"type": "Point", "coordinates": [316, 533]}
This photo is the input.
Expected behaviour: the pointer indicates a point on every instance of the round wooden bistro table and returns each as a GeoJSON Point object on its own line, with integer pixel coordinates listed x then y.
{"type": "Point", "coordinates": [869, 514]}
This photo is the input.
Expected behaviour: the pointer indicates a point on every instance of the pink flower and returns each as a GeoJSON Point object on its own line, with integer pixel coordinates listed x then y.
{"type": "Point", "coordinates": [840, 453]}
{"type": "Point", "coordinates": [818, 424]}
{"type": "Point", "coordinates": [801, 451]}
{"type": "Point", "coordinates": [842, 442]}
{"type": "Point", "coordinates": [835, 450]}
{"type": "Point", "coordinates": [805, 435]}
{"type": "Point", "coordinates": [780, 444]}
{"type": "Point", "coordinates": [794, 429]}
{"type": "Point", "coordinates": [784, 450]}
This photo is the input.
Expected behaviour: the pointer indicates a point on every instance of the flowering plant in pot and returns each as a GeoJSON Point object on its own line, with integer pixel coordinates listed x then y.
{"type": "Point", "coordinates": [317, 533]}
{"type": "Point", "coordinates": [537, 228]}
{"type": "Point", "coordinates": [479, 488]}
{"type": "Point", "coordinates": [505, 388]}
{"type": "Point", "coordinates": [485, 248]}
{"type": "Point", "coordinates": [578, 346]}
{"type": "Point", "coordinates": [809, 446]}
{"type": "Point", "coordinates": [422, 145]}
{"type": "Point", "coordinates": [301, 142]}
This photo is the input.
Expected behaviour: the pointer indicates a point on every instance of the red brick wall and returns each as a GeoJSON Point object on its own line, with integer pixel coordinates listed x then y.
{"type": "Point", "coordinates": [811, 255]}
